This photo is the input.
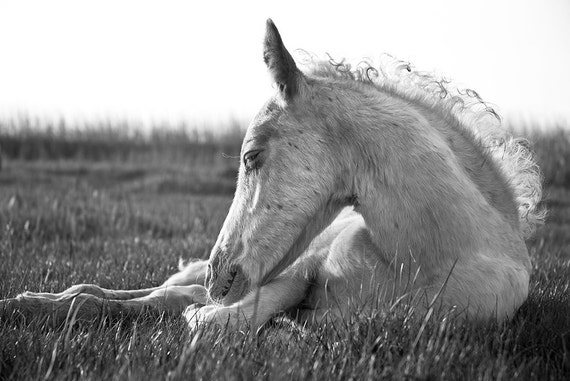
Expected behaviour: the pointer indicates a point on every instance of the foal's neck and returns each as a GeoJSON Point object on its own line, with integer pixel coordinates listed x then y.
{"type": "Point", "coordinates": [413, 190]}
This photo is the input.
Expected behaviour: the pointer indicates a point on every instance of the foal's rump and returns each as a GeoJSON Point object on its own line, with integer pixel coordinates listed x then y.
{"type": "Point", "coordinates": [489, 286]}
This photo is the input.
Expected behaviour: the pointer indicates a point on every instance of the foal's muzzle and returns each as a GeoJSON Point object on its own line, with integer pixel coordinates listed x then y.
{"type": "Point", "coordinates": [225, 281]}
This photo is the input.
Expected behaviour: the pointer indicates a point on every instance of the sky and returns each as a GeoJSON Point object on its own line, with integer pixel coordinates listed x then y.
{"type": "Point", "coordinates": [201, 61]}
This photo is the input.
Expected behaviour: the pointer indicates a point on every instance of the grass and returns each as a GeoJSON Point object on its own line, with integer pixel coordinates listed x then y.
{"type": "Point", "coordinates": [124, 221]}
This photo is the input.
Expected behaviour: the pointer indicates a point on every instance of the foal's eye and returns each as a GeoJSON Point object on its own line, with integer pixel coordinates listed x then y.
{"type": "Point", "coordinates": [250, 157]}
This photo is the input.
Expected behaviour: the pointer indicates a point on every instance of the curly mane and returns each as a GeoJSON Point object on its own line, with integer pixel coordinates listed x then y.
{"type": "Point", "coordinates": [464, 108]}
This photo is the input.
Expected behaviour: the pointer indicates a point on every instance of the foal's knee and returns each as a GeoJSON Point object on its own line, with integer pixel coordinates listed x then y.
{"type": "Point", "coordinates": [89, 289]}
{"type": "Point", "coordinates": [177, 298]}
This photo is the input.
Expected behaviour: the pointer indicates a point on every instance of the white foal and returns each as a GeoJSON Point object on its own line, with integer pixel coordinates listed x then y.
{"type": "Point", "coordinates": [355, 189]}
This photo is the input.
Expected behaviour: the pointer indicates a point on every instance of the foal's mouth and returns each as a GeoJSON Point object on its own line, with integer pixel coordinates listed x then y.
{"type": "Point", "coordinates": [230, 282]}
{"type": "Point", "coordinates": [229, 286]}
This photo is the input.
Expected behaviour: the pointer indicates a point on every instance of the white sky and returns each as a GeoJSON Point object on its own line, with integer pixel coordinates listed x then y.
{"type": "Point", "coordinates": [202, 60]}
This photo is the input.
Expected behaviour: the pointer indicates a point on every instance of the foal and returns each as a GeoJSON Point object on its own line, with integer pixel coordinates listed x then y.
{"type": "Point", "coordinates": [355, 187]}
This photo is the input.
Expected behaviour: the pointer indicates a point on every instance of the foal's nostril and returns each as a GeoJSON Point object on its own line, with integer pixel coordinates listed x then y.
{"type": "Point", "coordinates": [216, 257]}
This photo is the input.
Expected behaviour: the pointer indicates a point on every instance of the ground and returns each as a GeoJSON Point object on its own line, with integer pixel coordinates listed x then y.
{"type": "Point", "coordinates": [124, 222]}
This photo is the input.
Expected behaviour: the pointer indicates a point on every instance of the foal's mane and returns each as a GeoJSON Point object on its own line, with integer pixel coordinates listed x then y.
{"type": "Point", "coordinates": [464, 108]}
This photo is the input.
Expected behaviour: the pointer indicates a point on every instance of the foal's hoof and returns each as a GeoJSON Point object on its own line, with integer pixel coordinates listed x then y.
{"type": "Point", "coordinates": [227, 317]}
{"type": "Point", "coordinates": [21, 309]}
{"type": "Point", "coordinates": [192, 315]}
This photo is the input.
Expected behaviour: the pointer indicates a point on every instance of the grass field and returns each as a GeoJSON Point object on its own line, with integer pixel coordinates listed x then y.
{"type": "Point", "coordinates": [121, 212]}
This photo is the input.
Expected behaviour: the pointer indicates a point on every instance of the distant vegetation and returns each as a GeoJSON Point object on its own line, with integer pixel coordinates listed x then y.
{"type": "Point", "coordinates": [28, 140]}
{"type": "Point", "coordinates": [25, 140]}
{"type": "Point", "coordinates": [553, 153]}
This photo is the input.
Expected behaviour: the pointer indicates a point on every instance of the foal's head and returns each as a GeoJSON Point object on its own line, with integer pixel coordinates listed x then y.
{"type": "Point", "coordinates": [292, 179]}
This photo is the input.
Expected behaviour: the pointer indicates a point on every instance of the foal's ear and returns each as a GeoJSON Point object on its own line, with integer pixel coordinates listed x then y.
{"type": "Point", "coordinates": [280, 63]}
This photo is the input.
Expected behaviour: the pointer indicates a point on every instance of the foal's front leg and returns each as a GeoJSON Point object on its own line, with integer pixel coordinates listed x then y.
{"type": "Point", "coordinates": [89, 301]}
{"type": "Point", "coordinates": [255, 309]}
{"type": "Point", "coordinates": [172, 299]}
{"type": "Point", "coordinates": [192, 273]}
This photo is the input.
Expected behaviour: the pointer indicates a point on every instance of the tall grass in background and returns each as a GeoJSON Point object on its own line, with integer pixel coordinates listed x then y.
{"type": "Point", "coordinates": [29, 139]}
{"type": "Point", "coordinates": [553, 154]}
